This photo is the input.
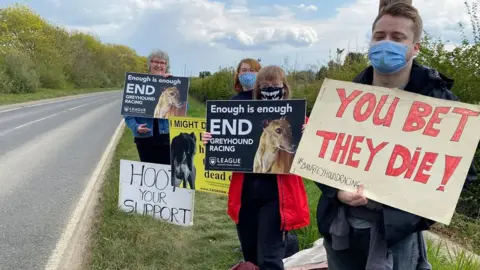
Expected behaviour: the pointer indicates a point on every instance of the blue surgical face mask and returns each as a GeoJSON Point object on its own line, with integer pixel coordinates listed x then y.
{"type": "Point", "coordinates": [247, 79]}
{"type": "Point", "coordinates": [388, 57]}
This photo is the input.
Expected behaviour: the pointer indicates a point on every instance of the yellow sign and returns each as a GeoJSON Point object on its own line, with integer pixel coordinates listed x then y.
{"type": "Point", "coordinates": [188, 158]}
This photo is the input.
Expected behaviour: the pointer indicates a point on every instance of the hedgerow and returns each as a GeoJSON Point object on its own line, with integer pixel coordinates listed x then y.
{"type": "Point", "coordinates": [36, 54]}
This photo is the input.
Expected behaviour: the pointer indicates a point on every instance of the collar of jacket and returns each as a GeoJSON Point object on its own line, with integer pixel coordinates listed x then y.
{"type": "Point", "coordinates": [422, 79]}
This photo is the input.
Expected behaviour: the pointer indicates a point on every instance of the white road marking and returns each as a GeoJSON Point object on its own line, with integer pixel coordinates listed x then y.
{"type": "Point", "coordinates": [57, 254]}
{"type": "Point", "coordinates": [74, 108]}
{"type": "Point", "coordinates": [51, 102]}
{"type": "Point", "coordinates": [48, 116]}
{"type": "Point", "coordinates": [9, 110]}
{"type": "Point", "coordinates": [35, 121]}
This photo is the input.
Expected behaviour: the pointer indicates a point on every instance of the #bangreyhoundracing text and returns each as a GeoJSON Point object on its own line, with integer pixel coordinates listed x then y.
{"type": "Point", "coordinates": [343, 179]}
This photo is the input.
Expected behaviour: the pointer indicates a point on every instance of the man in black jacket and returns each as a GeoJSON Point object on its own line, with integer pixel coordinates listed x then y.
{"type": "Point", "coordinates": [361, 233]}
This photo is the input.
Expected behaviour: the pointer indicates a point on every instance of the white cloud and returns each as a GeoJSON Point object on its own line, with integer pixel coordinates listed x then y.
{"type": "Point", "coordinates": [205, 34]}
{"type": "Point", "coordinates": [210, 22]}
{"type": "Point", "coordinates": [307, 8]}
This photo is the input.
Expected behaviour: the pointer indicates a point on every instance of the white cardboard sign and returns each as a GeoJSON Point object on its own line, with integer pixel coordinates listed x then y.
{"type": "Point", "coordinates": [410, 151]}
{"type": "Point", "coordinates": [146, 189]}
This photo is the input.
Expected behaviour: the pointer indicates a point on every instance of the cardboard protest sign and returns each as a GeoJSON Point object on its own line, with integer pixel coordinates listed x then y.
{"type": "Point", "coordinates": [154, 96]}
{"type": "Point", "coordinates": [259, 136]}
{"type": "Point", "coordinates": [188, 158]}
{"type": "Point", "coordinates": [145, 189]}
{"type": "Point", "coordinates": [410, 151]}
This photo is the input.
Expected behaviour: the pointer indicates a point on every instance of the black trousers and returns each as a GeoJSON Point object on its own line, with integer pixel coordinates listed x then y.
{"type": "Point", "coordinates": [152, 153]}
{"type": "Point", "coordinates": [260, 236]}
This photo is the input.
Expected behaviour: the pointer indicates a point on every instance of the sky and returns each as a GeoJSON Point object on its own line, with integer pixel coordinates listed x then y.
{"type": "Point", "coordinates": [204, 35]}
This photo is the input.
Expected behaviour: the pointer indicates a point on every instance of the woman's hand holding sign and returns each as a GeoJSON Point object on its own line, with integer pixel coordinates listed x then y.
{"type": "Point", "coordinates": [142, 128]}
{"type": "Point", "coordinates": [206, 137]}
{"type": "Point", "coordinates": [352, 199]}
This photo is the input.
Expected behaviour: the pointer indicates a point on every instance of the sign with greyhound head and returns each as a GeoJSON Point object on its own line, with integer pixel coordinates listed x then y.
{"type": "Point", "coordinates": [154, 96]}
{"type": "Point", "coordinates": [259, 136]}
{"type": "Point", "coordinates": [187, 154]}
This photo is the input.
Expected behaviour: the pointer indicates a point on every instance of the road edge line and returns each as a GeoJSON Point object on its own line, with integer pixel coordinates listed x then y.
{"type": "Point", "coordinates": [77, 224]}
{"type": "Point", "coordinates": [15, 106]}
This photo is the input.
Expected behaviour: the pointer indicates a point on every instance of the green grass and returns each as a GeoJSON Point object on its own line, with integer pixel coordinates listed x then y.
{"type": "Point", "coordinates": [443, 258]}
{"type": "Point", "coordinates": [462, 230]}
{"type": "Point", "coordinates": [308, 235]}
{"type": "Point", "coordinates": [122, 241]}
{"type": "Point", "coordinates": [6, 99]}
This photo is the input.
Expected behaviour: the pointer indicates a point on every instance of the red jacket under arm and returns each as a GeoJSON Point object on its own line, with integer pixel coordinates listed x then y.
{"type": "Point", "coordinates": [292, 196]}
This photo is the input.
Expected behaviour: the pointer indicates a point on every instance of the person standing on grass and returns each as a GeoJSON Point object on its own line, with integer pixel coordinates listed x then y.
{"type": "Point", "coordinates": [244, 81]}
{"type": "Point", "coordinates": [266, 206]}
{"type": "Point", "coordinates": [152, 135]}
{"type": "Point", "coordinates": [360, 233]}
{"type": "Point", "coordinates": [244, 78]}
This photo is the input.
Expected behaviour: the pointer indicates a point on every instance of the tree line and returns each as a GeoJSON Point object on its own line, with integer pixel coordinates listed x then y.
{"type": "Point", "coordinates": [36, 54]}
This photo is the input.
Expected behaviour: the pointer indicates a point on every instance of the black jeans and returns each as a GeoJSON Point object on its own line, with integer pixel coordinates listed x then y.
{"type": "Point", "coordinates": [152, 153]}
{"type": "Point", "coordinates": [260, 235]}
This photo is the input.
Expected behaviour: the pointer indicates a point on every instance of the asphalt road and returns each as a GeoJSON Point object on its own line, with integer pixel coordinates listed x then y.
{"type": "Point", "coordinates": [48, 152]}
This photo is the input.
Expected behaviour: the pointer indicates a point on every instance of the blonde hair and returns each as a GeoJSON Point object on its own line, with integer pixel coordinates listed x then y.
{"type": "Point", "coordinates": [271, 73]}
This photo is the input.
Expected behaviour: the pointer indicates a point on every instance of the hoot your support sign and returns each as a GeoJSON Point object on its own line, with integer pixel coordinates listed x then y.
{"type": "Point", "coordinates": [410, 151]}
{"type": "Point", "coordinates": [154, 96]}
{"type": "Point", "coordinates": [188, 158]}
{"type": "Point", "coordinates": [145, 189]}
{"type": "Point", "coordinates": [258, 136]}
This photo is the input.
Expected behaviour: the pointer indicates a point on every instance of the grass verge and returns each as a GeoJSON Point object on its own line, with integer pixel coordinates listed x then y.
{"type": "Point", "coordinates": [441, 257]}
{"type": "Point", "coordinates": [462, 230]}
{"type": "Point", "coordinates": [6, 99]}
{"type": "Point", "coordinates": [122, 241]}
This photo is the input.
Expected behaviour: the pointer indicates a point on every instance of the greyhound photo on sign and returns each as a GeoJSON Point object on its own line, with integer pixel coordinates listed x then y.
{"type": "Point", "coordinates": [170, 104]}
{"type": "Point", "coordinates": [258, 136]}
{"type": "Point", "coordinates": [188, 158]}
{"type": "Point", "coordinates": [155, 96]}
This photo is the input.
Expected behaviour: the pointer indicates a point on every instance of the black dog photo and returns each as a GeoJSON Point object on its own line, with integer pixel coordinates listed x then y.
{"type": "Point", "coordinates": [183, 149]}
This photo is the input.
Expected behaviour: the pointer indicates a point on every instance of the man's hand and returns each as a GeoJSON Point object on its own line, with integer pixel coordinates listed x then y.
{"type": "Point", "coordinates": [352, 199]}
{"type": "Point", "coordinates": [143, 129]}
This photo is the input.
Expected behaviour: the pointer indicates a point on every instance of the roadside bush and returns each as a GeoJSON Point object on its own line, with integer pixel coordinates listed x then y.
{"type": "Point", "coordinates": [219, 86]}
{"type": "Point", "coordinates": [20, 70]}
{"type": "Point", "coordinates": [5, 83]}
{"type": "Point", "coordinates": [52, 78]}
